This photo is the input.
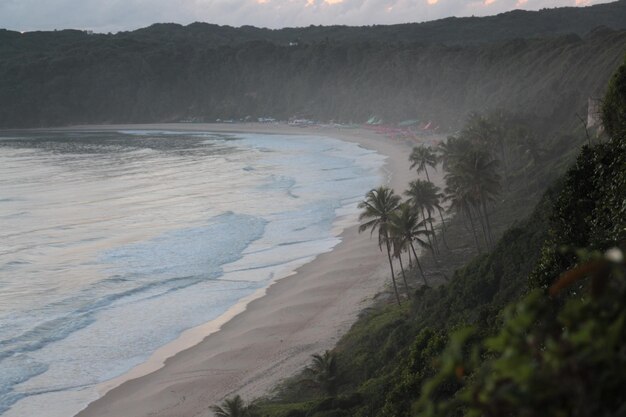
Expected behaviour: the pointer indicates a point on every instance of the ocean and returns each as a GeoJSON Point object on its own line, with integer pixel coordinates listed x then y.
{"type": "Point", "coordinates": [114, 243]}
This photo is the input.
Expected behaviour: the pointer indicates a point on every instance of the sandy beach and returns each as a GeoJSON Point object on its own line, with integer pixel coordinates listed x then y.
{"type": "Point", "coordinates": [271, 335]}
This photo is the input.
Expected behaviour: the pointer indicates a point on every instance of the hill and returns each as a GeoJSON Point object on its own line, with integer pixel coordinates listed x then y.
{"type": "Point", "coordinates": [431, 71]}
{"type": "Point", "coordinates": [535, 327]}
{"type": "Point", "coordinates": [515, 24]}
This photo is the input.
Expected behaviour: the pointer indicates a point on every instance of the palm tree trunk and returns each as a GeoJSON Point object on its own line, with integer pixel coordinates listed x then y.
{"type": "Point", "coordinates": [406, 284]}
{"type": "Point", "coordinates": [430, 242]}
{"type": "Point", "coordinates": [464, 216]}
{"type": "Point", "coordinates": [487, 222]}
{"type": "Point", "coordinates": [469, 216]}
{"type": "Point", "coordinates": [481, 219]}
{"type": "Point", "coordinates": [393, 276]}
{"type": "Point", "coordinates": [419, 265]}
{"type": "Point", "coordinates": [443, 230]}
{"type": "Point", "coordinates": [426, 171]}
{"type": "Point", "coordinates": [432, 228]}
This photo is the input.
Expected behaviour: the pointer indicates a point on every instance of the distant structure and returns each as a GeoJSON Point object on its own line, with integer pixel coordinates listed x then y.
{"type": "Point", "coordinates": [594, 113]}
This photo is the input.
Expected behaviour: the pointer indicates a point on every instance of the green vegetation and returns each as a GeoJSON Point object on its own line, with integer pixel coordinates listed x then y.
{"type": "Point", "coordinates": [378, 207]}
{"type": "Point", "coordinates": [424, 199]}
{"type": "Point", "coordinates": [233, 407]}
{"type": "Point", "coordinates": [322, 373]}
{"type": "Point", "coordinates": [614, 105]}
{"type": "Point", "coordinates": [421, 158]}
{"type": "Point", "coordinates": [473, 177]}
{"type": "Point", "coordinates": [534, 327]}
{"type": "Point", "coordinates": [551, 356]}
{"type": "Point", "coordinates": [543, 65]}
{"type": "Point", "coordinates": [407, 230]}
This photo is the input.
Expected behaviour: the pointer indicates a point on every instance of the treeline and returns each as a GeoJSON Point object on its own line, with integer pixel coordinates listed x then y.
{"type": "Point", "coordinates": [549, 80]}
{"type": "Point", "coordinates": [516, 24]}
{"type": "Point", "coordinates": [489, 155]}
{"type": "Point", "coordinates": [534, 327]}
{"type": "Point", "coordinates": [160, 74]}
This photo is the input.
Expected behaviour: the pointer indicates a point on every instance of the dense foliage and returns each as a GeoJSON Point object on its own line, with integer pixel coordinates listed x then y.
{"type": "Point", "coordinates": [495, 341]}
{"type": "Point", "coordinates": [592, 206]}
{"type": "Point", "coordinates": [547, 359]}
{"type": "Point", "coordinates": [204, 72]}
{"type": "Point", "coordinates": [614, 105]}
{"type": "Point", "coordinates": [452, 31]}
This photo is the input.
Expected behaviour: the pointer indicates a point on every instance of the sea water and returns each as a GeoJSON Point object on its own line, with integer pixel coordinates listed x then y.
{"type": "Point", "coordinates": [113, 243]}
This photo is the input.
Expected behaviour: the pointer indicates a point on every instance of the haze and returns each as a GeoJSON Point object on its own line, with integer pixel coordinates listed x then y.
{"type": "Point", "coordinates": [118, 15]}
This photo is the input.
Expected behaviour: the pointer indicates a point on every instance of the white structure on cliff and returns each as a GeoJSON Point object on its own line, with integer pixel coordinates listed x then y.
{"type": "Point", "coordinates": [594, 113]}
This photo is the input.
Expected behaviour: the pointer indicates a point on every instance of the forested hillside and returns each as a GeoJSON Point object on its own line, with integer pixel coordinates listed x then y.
{"type": "Point", "coordinates": [435, 71]}
{"type": "Point", "coordinates": [534, 327]}
{"type": "Point", "coordinates": [450, 31]}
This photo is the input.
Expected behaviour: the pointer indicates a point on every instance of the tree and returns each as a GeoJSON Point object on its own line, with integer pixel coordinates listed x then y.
{"type": "Point", "coordinates": [377, 207]}
{"type": "Point", "coordinates": [406, 229]}
{"type": "Point", "coordinates": [452, 150]}
{"type": "Point", "coordinates": [233, 407]}
{"type": "Point", "coordinates": [476, 173]}
{"type": "Point", "coordinates": [421, 158]}
{"type": "Point", "coordinates": [556, 353]}
{"type": "Point", "coordinates": [425, 197]}
{"type": "Point", "coordinates": [399, 246]}
{"type": "Point", "coordinates": [488, 134]}
{"type": "Point", "coordinates": [528, 146]}
{"type": "Point", "coordinates": [479, 131]}
{"type": "Point", "coordinates": [323, 372]}
{"type": "Point", "coordinates": [461, 202]}
{"type": "Point", "coordinates": [614, 104]}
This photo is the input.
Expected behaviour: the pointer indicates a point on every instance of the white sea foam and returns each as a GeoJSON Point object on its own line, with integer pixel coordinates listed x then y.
{"type": "Point", "coordinates": [117, 242]}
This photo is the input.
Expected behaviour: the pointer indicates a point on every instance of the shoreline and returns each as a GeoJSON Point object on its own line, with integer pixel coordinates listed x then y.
{"type": "Point", "coordinates": [269, 335]}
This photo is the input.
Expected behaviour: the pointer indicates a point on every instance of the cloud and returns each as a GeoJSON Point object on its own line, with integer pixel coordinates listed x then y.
{"type": "Point", "coordinates": [116, 15]}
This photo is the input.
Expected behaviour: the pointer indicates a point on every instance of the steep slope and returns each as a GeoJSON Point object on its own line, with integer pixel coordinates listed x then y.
{"type": "Point", "coordinates": [125, 80]}
{"type": "Point", "coordinates": [542, 64]}
{"type": "Point", "coordinates": [536, 327]}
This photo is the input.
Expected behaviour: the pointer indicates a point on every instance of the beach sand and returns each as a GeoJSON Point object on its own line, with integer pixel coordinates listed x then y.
{"type": "Point", "coordinates": [255, 345]}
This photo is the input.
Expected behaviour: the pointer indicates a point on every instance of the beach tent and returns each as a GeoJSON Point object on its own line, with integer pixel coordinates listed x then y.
{"type": "Point", "coordinates": [374, 120]}
{"type": "Point", "coordinates": [407, 123]}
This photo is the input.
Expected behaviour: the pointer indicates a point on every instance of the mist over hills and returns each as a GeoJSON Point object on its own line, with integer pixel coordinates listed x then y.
{"type": "Point", "coordinates": [450, 31]}
{"type": "Point", "coordinates": [541, 64]}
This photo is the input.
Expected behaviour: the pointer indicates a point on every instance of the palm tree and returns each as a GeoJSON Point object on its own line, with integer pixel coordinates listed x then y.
{"type": "Point", "coordinates": [461, 202]}
{"type": "Point", "coordinates": [233, 407]}
{"type": "Point", "coordinates": [406, 229]}
{"type": "Point", "coordinates": [323, 372]}
{"type": "Point", "coordinates": [377, 207]}
{"type": "Point", "coordinates": [425, 197]}
{"type": "Point", "coordinates": [476, 174]}
{"type": "Point", "coordinates": [528, 145]}
{"type": "Point", "coordinates": [488, 133]}
{"type": "Point", "coordinates": [452, 150]}
{"type": "Point", "coordinates": [479, 130]}
{"type": "Point", "coordinates": [431, 199]}
{"type": "Point", "coordinates": [422, 157]}
{"type": "Point", "coordinates": [439, 207]}
{"type": "Point", "coordinates": [399, 246]}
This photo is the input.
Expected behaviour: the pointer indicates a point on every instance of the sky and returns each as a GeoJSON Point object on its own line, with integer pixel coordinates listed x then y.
{"type": "Point", "coordinates": [117, 15]}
